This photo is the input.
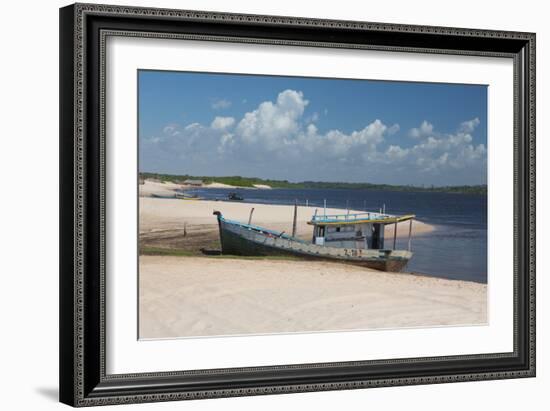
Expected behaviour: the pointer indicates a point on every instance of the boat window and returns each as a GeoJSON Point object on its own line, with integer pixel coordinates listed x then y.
{"type": "Point", "coordinates": [337, 229]}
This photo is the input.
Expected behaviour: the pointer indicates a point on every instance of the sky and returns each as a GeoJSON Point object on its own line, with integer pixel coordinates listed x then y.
{"type": "Point", "coordinates": [312, 129]}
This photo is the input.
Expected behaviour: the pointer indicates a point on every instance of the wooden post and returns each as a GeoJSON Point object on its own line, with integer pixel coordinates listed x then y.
{"type": "Point", "coordinates": [314, 228]}
{"type": "Point", "coordinates": [394, 235]}
{"type": "Point", "coordinates": [410, 233]}
{"type": "Point", "coordinates": [295, 218]}
{"type": "Point", "coordinates": [185, 228]}
{"type": "Point", "coordinates": [325, 207]}
{"type": "Point", "coordinates": [250, 216]}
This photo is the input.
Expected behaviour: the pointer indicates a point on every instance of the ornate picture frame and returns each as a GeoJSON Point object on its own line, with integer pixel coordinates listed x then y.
{"type": "Point", "coordinates": [84, 380]}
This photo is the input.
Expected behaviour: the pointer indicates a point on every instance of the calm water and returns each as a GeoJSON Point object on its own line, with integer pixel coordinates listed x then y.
{"type": "Point", "coordinates": [457, 249]}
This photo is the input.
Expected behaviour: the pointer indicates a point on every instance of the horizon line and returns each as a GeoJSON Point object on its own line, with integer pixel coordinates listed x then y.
{"type": "Point", "coordinates": [317, 181]}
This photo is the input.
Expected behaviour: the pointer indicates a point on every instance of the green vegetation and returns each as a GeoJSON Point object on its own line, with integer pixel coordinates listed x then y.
{"type": "Point", "coordinates": [239, 181]}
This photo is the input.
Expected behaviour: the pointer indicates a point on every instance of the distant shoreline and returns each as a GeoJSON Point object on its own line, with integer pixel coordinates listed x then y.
{"type": "Point", "coordinates": [259, 183]}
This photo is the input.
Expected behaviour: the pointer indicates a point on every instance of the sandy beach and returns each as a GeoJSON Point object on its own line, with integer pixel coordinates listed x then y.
{"type": "Point", "coordinates": [205, 296]}
{"type": "Point", "coordinates": [150, 187]}
{"type": "Point", "coordinates": [184, 291]}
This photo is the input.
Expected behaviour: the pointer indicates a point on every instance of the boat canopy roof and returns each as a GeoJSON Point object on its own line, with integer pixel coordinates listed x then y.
{"type": "Point", "coordinates": [361, 218]}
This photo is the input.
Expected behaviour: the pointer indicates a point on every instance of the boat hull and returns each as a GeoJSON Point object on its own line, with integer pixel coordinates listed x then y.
{"type": "Point", "coordinates": [240, 239]}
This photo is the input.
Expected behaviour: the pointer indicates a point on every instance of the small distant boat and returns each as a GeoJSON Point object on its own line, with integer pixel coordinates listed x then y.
{"type": "Point", "coordinates": [163, 195]}
{"type": "Point", "coordinates": [351, 238]}
{"type": "Point", "coordinates": [234, 197]}
{"type": "Point", "coordinates": [188, 196]}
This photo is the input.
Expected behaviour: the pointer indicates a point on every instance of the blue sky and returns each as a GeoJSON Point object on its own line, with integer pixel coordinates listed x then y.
{"type": "Point", "coordinates": [298, 128]}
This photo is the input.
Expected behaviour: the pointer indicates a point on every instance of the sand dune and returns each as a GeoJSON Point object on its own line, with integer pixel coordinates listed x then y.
{"type": "Point", "coordinates": [200, 296]}
{"type": "Point", "coordinates": [218, 185]}
{"type": "Point", "coordinates": [151, 187]}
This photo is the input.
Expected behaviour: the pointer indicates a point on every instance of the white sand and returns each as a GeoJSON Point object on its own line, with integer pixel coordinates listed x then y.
{"type": "Point", "coordinates": [221, 185]}
{"type": "Point", "coordinates": [169, 214]}
{"type": "Point", "coordinates": [218, 185]}
{"type": "Point", "coordinates": [151, 187]}
{"type": "Point", "coordinates": [200, 296]}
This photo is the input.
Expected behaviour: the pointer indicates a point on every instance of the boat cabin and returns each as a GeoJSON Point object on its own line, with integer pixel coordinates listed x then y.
{"type": "Point", "coordinates": [362, 231]}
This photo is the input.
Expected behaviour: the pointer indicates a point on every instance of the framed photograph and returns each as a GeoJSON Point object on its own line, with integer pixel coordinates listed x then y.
{"type": "Point", "coordinates": [261, 204]}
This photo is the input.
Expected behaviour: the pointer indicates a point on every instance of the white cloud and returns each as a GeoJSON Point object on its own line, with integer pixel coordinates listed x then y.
{"type": "Point", "coordinates": [469, 126]}
{"type": "Point", "coordinates": [451, 151]}
{"type": "Point", "coordinates": [394, 153]}
{"type": "Point", "coordinates": [192, 126]}
{"type": "Point", "coordinates": [274, 124]}
{"type": "Point", "coordinates": [171, 129]}
{"type": "Point", "coordinates": [281, 134]}
{"type": "Point", "coordinates": [221, 123]}
{"type": "Point", "coordinates": [220, 104]}
{"type": "Point", "coordinates": [336, 144]}
{"type": "Point", "coordinates": [424, 130]}
{"type": "Point", "coordinates": [226, 143]}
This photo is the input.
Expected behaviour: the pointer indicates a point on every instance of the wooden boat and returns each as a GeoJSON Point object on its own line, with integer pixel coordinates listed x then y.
{"type": "Point", "coordinates": [187, 196]}
{"type": "Point", "coordinates": [351, 238]}
{"type": "Point", "coordinates": [163, 196]}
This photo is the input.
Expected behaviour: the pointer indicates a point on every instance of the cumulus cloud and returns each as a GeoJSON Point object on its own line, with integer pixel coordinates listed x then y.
{"type": "Point", "coordinates": [274, 123]}
{"type": "Point", "coordinates": [352, 148]}
{"type": "Point", "coordinates": [222, 123]}
{"type": "Point", "coordinates": [424, 130]}
{"type": "Point", "coordinates": [220, 104]}
{"type": "Point", "coordinates": [279, 139]}
{"type": "Point", "coordinates": [171, 129]}
{"type": "Point", "coordinates": [450, 151]}
{"type": "Point", "coordinates": [469, 126]}
{"type": "Point", "coordinates": [394, 153]}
